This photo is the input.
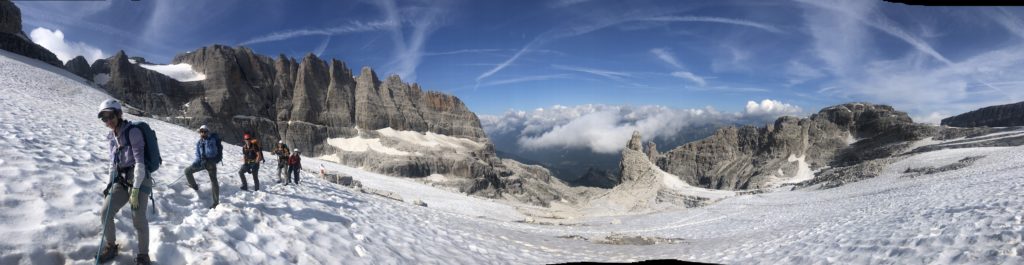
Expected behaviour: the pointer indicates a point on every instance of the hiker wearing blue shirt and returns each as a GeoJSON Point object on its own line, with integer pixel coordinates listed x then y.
{"type": "Point", "coordinates": [130, 181]}
{"type": "Point", "coordinates": [208, 154]}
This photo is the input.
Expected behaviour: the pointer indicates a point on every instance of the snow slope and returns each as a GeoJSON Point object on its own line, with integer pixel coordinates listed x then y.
{"type": "Point", "coordinates": [52, 170]}
{"type": "Point", "coordinates": [182, 72]}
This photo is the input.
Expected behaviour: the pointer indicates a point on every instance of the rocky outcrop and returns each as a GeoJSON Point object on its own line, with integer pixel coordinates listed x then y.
{"type": "Point", "coordinates": [80, 67]}
{"type": "Point", "coordinates": [13, 39]}
{"type": "Point", "coordinates": [645, 187]}
{"type": "Point", "coordinates": [752, 158]}
{"type": "Point", "coordinates": [993, 116]}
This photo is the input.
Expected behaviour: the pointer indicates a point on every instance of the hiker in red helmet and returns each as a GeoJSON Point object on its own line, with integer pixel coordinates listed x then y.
{"type": "Point", "coordinates": [252, 155]}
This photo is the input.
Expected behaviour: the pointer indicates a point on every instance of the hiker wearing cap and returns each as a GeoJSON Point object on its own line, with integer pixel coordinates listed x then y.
{"type": "Point", "coordinates": [208, 154]}
{"type": "Point", "coordinates": [130, 181]}
{"type": "Point", "coordinates": [294, 165]}
{"type": "Point", "coordinates": [252, 155]}
{"type": "Point", "coordinates": [282, 161]}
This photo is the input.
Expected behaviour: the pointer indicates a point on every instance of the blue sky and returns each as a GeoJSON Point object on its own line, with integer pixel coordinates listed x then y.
{"type": "Point", "coordinates": [523, 55]}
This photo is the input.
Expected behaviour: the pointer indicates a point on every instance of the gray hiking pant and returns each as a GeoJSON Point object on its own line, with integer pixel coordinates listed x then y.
{"type": "Point", "coordinates": [251, 168]}
{"type": "Point", "coordinates": [282, 167]}
{"type": "Point", "coordinates": [118, 198]}
{"type": "Point", "coordinates": [211, 169]}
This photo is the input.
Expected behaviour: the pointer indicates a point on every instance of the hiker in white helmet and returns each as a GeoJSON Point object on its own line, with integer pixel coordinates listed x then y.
{"type": "Point", "coordinates": [281, 150]}
{"type": "Point", "coordinates": [130, 181]}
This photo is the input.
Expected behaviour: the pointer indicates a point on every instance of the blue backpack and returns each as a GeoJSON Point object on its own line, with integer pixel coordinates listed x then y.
{"type": "Point", "coordinates": [220, 149]}
{"type": "Point", "coordinates": [152, 152]}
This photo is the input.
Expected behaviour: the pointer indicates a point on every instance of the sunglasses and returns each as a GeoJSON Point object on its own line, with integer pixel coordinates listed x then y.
{"type": "Point", "coordinates": [106, 116]}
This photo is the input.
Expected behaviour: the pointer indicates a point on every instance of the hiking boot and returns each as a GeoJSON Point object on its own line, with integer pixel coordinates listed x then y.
{"type": "Point", "coordinates": [109, 253]}
{"type": "Point", "coordinates": [245, 188]}
{"type": "Point", "coordinates": [143, 259]}
{"type": "Point", "coordinates": [194, 187]}
{"type": "Point", "coordinates": [214, 205]}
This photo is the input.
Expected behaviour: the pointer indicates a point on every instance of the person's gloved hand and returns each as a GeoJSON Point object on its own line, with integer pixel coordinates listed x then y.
{"type": "Point", "coordinates": [134, 199]}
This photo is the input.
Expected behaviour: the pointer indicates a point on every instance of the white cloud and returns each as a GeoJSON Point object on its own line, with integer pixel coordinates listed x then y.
{"type": "Point", "coordinates": [732, 21]}
{"type": "Point", "coordinates": [920, 80]}
{"type": "Point", "coordinates": [618, 76]}
{"type": "Point", "coordinates": [461, 52]}
{"type": "Point", "coordinates": [605, 128]}
{"type": "Point", "coordinates": [351, 27]}
{"type": "Point", "coordinates": [769, 107]}
{"type": "Point", "coordinates": [507, 62]}
{"type": "Point", "coordinates": [565, 3]}
{"type": "Point", "coordinates": [53, 40]}
{"type": "Point", "coordinates": [423, 18]}
{"type": "Point", "coordinates": [666, 56]}
{"type": "Point", "coordinates": [1011, 22]}
{"type": "Point", "coordinates": [523, 79]}
{"type": "Point", "coordinates": [322, 47]}
{"type": "Point", "coordinates": [799, 73]}
{"type": "Point", "coordinates": [931, 118]}
{"type": "Point", "coordinates": [592, 20]}
{"type": "Point", "coordinates": [690, 76]}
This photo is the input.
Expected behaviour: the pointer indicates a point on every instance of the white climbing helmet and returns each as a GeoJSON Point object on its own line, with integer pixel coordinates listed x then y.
{"type": "Point", "coordinates": [296, 150]}
{"type": "Point", "coordinates": [280, 141]}
{"type": "Point", "coordinates": [203, 128]}
{"type": "Point", "coordinates": [110, 104]}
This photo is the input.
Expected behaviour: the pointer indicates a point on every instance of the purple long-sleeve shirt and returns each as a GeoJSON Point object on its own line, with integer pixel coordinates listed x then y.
{"type": "Point", "coordinates": [126, 157]}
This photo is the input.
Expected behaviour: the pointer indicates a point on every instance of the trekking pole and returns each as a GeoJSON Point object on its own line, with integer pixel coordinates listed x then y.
{"type": "Point", "coordinates": [175, 181]}
{"type": "Point", "coordinates": [106, 216]}
{"type": "Point", "coordinates": [103, 232]}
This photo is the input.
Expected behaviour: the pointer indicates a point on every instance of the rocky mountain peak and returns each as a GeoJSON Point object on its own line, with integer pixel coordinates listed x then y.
{"type": "Point", "coordinates": [368, 76]}
{"type": "Point", "coordinates": [119, 56]}
{"type": "Point", "coordinates": [749, 157]}
{"type": "Point", "coordinates": [634, 165]}
{"type": "Point", "coordinates": [863, 119]}
{"type": "Point", "coordinates": [993, 116]}
{"type": "Point", "coordinates": [652, 151]}
{"type": "Point", "coordinates": [635, 143]}
{"type": "Point", "coordinates": [10, 18]}
{"type": "Point", "coordinates": [80, 67]}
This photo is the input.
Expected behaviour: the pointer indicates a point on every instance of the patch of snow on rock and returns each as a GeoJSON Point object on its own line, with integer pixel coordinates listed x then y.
{"type": "Point", "coordinates": [182, 72]}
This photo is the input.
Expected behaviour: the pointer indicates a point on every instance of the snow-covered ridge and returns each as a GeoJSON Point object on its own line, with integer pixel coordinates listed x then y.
{"type": "Point", "coordinates": [182, 72]}
{"type": "Point", "coordinates": [411, 141]}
